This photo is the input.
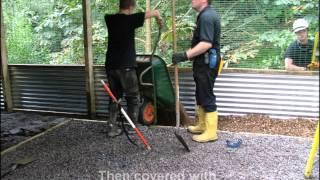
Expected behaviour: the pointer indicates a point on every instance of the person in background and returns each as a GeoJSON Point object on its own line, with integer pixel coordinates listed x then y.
{"type": "Point", "coordinates": [299, 53]}
{"type": "Point", "coordinates": [205, 54]}
{"type": "Point", "coordinates": [120, 62]}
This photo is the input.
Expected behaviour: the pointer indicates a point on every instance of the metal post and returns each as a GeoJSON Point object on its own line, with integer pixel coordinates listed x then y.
{"type": "Point", "coordinates": [4, 69]}
{"type": "Point", "coordinates": [87, 31]}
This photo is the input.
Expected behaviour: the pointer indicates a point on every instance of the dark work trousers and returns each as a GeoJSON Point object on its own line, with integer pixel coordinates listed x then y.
{"type": "Point", "coordinates": [205, 78]}
{"type": "Point", "coordinates": [124, 82]}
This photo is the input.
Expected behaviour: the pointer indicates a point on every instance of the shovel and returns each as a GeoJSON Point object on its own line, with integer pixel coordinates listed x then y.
{"type": "Point", "coordinates": [176, 79]}
{"type": "Point", "coordinates": [181, 140]}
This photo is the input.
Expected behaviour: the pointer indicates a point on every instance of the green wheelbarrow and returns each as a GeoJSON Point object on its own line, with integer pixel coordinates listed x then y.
{"type": "Point", "coordinates": [156, 90]}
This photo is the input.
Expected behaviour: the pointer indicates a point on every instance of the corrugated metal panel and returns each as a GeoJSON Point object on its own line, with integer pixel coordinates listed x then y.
{"type": "Point", "coordinates": [49, 88]}
{"type": "Point", "coordinates": [1, 96]}
{"type": "Point", "coordinates": [277, 95]}
{"type": "Point", "coordinates": [102, 99]}
{"type": "Point", "coordinates": [62, 89]}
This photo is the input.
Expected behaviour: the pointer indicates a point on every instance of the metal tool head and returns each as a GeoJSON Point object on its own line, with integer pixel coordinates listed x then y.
{"type": "Point", "coordinates": [182, 141]}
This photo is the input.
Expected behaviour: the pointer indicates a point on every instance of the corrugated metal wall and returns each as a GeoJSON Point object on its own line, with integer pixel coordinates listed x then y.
{"type": "Point", "coordinates": [49, 88]}
{"type": "Point", "coordinates": [278, 95]}
{"type": "Point", "coordinates": [62, 89]}
{"type": "Point", "coordinates": [102, 99]}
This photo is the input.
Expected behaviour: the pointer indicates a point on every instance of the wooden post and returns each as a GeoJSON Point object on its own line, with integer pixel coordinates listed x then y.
{"type": "Point", "coordinates": [4, 70]}
{"type": "Point", "coordinates": [87, 31]}
{"type": "Point", "coordinates": [174, 35]}
{"type": "Point", "coordinates": [176, 70]}
{"type": "Point", "coordinates": [148, 29]}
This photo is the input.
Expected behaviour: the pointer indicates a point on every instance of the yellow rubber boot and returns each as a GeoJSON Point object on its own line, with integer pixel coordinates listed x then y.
{"type": "Point", "coordinates": [201, 126]}
{"type": "Point", "coordinates": [210, 133]}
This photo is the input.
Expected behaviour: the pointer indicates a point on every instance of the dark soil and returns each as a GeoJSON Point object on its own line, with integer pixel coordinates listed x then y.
{"type": "Point", "coordinates": [18, 126]}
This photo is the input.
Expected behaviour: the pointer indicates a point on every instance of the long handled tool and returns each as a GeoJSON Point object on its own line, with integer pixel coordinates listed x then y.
{"type": "Point", "coordinates": [114, 99]}
{"type": "Point", "coordinates": [176, 81]}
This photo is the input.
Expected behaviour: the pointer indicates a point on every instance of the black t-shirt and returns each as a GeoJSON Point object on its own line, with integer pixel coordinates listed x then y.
{"type": "Point", "coordinates": [300, 54]}
{"type": "Point", "coordinates": [121, 51]}
{"type": "Point", "coordinates": [208, 29]}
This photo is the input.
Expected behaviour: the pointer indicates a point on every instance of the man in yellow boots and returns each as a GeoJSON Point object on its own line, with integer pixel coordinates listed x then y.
{"type": "Point", "coordinates": [205, 54]}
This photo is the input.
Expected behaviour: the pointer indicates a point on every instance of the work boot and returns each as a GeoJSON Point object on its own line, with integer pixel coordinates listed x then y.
{"type": "Point", "coordinates": [200, 127]}
{"type": "Point", "coordinates": [210, 133]}
{"type": "Point", "coordinates": [133, 114]}
{"type": "Point", "coordinates": [133, 103]}
{"type": "Point", "coordinates": [113, 128]}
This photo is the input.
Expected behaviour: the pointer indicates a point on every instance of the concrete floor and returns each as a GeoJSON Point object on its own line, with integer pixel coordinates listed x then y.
{"type": "Point", "coordinates": [80, 150]}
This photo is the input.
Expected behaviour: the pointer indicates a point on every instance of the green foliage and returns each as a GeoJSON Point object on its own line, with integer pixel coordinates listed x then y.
{"type": "Point", "coordinates": [260, 37]}
{"type": "Point", "coordinates": [61, 31]}
{"type": "Point", "coordinates": [20, 38]}
{"type": "Point", "coordinates": [255, 34]}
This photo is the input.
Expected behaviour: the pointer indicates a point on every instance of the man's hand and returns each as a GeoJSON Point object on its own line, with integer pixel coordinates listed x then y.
{"type": "Point", "coordinates": [179, 57]}
{"type": "Point", "coordinates": [160, 22]}
{"type": "Point", "coordinates": [313, 66]}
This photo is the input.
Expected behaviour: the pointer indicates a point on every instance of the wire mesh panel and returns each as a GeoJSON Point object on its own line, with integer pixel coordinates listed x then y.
{"type": "Point", "coordinates": [254, 34]}
{"type": "Point", "coordinates": [44, 31]}
{"type": "Point", "coordinates": [258, 38]}
{"type": "Point", "coordinates": [143, 45]}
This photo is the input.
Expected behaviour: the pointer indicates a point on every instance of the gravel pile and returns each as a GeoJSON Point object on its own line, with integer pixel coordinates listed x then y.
{"type": "Point", "coordinates": [80, 150]}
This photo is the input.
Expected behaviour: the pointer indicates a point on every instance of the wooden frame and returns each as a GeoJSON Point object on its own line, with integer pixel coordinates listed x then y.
{"type": "Point", "coordinates": [87, 31]}
{"type": "Point", "coordinates": [4, 68]}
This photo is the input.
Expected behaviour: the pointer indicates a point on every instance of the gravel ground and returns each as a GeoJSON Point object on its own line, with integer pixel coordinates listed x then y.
{"type": "Point", "coordinates": [79, 150]}
{"type": "Point", "coordinates": [18, 126]}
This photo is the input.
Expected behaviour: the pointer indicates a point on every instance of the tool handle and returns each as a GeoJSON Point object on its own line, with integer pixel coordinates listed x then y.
{"type": "Point", "coordinates": [144, 141]}
{"type": "Point", "coordinates": [114, 99]}
{"type": "Point", "coordinates": [176, 82]}
{"type": "Point", "coordinates": [176, 78]}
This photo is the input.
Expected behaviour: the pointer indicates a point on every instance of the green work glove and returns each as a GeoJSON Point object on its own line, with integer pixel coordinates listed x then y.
{"type": "Point", "coordinates": [179, 57]}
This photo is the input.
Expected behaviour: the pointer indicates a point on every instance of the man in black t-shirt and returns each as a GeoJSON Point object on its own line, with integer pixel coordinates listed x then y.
{"type": "Point", "coordinates": [121, 58]}
{"type": "Point", "coordinates": [206, 38]}
{"type": "Point", "coordinates": [299, 53]}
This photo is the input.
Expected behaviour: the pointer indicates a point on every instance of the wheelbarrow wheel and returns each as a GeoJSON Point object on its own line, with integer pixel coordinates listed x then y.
{"type": "Point", "coordinates": [147, 113]}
